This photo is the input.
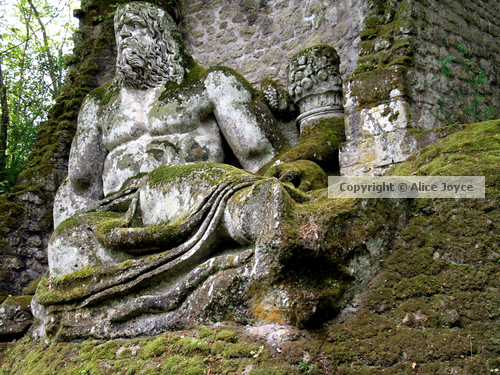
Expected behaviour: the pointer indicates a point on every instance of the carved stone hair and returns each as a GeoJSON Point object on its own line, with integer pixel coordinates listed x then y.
{"type": "Point", "coordinates": [162, 60]}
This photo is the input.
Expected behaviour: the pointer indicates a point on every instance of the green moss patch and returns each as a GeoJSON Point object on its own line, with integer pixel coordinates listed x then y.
{"type": "Point", "coordinates": [319, 143]}
{"type": "Point", "coordinates": [374, 87]}
{"type": "Point", "coordinates": [183, 353]}
{"type": "Point", "coordinates": [434, 305]}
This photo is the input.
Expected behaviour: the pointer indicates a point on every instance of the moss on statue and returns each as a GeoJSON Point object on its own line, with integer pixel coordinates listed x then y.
{"type": "Point", "coordinates": [207, 172]}
{"type": "Point", "coordinates": [305, 175]}
{"type": "Point", "coordinates": [319, 143]}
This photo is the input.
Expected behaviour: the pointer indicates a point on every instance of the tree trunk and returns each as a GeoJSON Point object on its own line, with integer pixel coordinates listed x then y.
{"type": "Point", "coordinates": [50, 59]}
{"type": "Point", "coordinates": [27, 21]}
{"type": "Point", "coordinates": [4, 124]}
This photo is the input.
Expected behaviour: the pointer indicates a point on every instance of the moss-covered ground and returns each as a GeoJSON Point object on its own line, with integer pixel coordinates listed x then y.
{"type": "Point", "coordinates": [199, 351]}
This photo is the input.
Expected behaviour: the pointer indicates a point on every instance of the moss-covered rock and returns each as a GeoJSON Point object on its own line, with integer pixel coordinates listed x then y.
{"type": "Point", "coordinates": [319, 143]}
{"type": "Point", "coordinates": [429, 307]}
{"type": "Point", "coordinates": [183, 352]}
{"type": "Point", "coordinates": [15, 317]}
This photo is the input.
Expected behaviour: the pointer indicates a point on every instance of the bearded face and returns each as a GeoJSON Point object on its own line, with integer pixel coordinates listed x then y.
{"type": "Point", "coordinates": [147, 57]}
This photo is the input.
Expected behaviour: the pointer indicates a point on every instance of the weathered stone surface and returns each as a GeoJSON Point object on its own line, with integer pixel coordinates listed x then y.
{"type": "Point", "coordinates": [278, 23]}
{"type": "Point", "coordinates": [15, 317]}
{"type": "Point", "coordinates": [267, 26]}
{"type": "Point", "coordinates": [312, 40]}
{"type": "Point", "coordinates": [272, 56]}
{"type": "Point", "coordinates": [248, 66]}
{"type": "Point", "coordinates": [315, 84]}
{"type": "Point", "coordinates": [227, 38]}
{"type": "Point", "coordinates": [247, 32]}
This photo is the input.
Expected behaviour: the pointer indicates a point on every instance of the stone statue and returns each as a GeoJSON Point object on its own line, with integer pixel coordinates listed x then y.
{"type": "Point", "coordinates": [146, 177]}
{"type": "Point", "coordinates": [144, 126]}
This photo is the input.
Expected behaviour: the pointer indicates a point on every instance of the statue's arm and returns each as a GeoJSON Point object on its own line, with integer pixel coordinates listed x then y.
{"type": "Point", "coordinates": [83, 186]}
{"type": "Point", "coordinates": [87, 154]}
{"type": "Point", "coordinates": [241, 119]}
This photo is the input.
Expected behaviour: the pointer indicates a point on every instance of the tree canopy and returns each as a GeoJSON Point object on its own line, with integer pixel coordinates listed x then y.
{"type": "Point", "coordinates": [34, 38]}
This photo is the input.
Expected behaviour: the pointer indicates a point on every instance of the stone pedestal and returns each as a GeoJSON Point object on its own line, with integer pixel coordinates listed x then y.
{"type": "Point", "coordinates": [376, 123]}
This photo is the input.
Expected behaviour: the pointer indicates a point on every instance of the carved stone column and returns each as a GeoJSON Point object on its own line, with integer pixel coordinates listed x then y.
{"type": "Point", "coordinates": [315, 84]}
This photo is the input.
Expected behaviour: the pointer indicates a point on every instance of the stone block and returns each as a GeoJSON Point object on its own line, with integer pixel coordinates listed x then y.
{"type": "Point", "coordinates": [249, 66]}
{"type": "Point", "coordinates": [287, 34]}
{"type": "Point", "coordinates": [226, 11]}
{"type": "Point", "coordinates": [261, 43]}
{"type": "Point", "coordinates": [267, 26]}
{"type": "Point", "coordinates": [304, 27]}
{"type": "Point", "coordinates": [270, 72]}
{"type": "Point", "coordinates": [238, 18]}
{"type": "Point", "coordinates": [218, 59]}
{"type": "Point", "coordinates": [208, 20]}
{"type": "Point", "coordinates": [195, 8]}
{"type": "Point", "coordinates": [272, 56]}
{"type": "Point", "coordinates": [213, 4]}
{"type": "Point", "coordinates": [283, 4]}
{"type": "Point", "coordinates": [189, 23]}
{"type": "Point", "coordinates": [246, 32]}
{"type": "Point", "coordinates": [236, 52]}
{"type": "Point", "coordinates": [197, 33]}
{"type": "Point", "coordinates": [318, 21]}
{"type": "Point", "coordinates": [312, 40]}
{"type": "Point", "coordinates": [249, 47]}
{"type": "Point", "coordinates": [208, 47]}
{"type": "Point", "coordinates": [228, 37]}
{"type": "Point", "coordinates": [375, 155]}
{"type": "Point", "coordinates": [295, 18]}
{"type": "Point", "coordinates": [371, 89]}
{"type": "Point", "coordinates": [313, 8]}
{"type": "Point", "coordinates": [292, 49]}
{"type": "Point", "coordinates": [331, 15]}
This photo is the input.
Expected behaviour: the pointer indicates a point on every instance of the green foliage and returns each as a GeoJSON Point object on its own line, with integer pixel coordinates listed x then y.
{"type": "Point", "coordinates": [463, 106]}
{"type": "Point", "coordinates": [306, 367]}
{"type": "Point", "coordinates": [33, 70]}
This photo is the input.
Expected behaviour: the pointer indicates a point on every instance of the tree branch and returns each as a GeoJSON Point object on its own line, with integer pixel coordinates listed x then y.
{"type": "Point", "coordinates": [50, 59]}
{"type": "Point", "coordinates": [4, 123]}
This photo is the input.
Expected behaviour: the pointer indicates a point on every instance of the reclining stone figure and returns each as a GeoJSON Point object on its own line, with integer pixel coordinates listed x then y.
{"type": "Point", "coordinates": [146, 177]}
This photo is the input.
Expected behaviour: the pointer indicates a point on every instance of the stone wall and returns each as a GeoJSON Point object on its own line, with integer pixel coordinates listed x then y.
{"type": "Point", "coordinates": [398, 83]}
{"type": "Point", "coordinates": [259, 37]}
{"type": "Point", "coordinates": [440, 27]}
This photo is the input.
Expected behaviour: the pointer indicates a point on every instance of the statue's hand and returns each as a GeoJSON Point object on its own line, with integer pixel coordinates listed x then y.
{"type": "Point", "coordinates": [305, 175]}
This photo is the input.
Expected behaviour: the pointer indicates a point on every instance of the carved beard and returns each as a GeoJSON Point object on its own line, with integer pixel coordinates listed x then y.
{"type": "Point", "coordinates": [142, 65]}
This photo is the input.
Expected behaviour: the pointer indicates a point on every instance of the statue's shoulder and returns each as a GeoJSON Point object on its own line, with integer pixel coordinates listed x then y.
{"type": "Point", "coordinates": [103, 95]}
{"type": "Point", "coordinates": [223, 75]}
{"type": "Point", "coordinates": [191, 84]}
